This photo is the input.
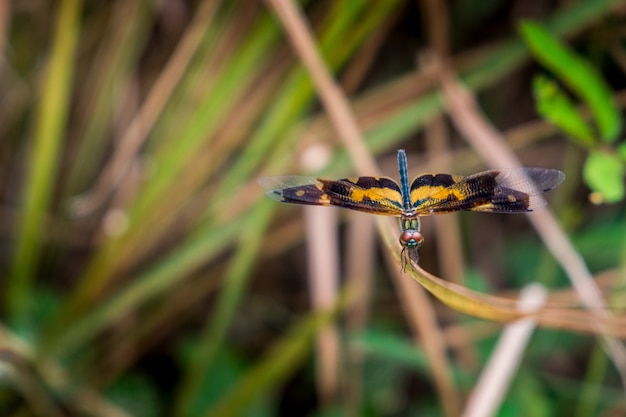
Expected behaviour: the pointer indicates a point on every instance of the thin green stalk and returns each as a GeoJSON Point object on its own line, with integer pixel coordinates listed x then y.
{"type": "Point", "coordinates": [277, 365]}
{"type": "Point", "coordinates": [50, 118]}
{"type": "Point", "coordinates": [592, 387]}
{"type": "Point", "coordinates": [598, 364]}
{"type": "Point", "coordinates": [108, 75]}
{"type": "Point", "coordinates": [205, 244]}
{"type": "Point", "coordinates": [235, 282]}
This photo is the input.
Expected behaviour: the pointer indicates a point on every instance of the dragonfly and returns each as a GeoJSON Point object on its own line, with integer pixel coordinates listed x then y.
{"type": "Point", "coordinates": [512, 190]}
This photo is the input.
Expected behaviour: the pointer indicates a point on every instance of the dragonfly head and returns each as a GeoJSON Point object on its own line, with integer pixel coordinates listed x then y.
{"type": "Point", "coordinates": [411, 238]}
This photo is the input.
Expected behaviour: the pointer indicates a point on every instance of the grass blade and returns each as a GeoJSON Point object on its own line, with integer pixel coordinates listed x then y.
{"type": "Point", "coordinates": [50, 118]}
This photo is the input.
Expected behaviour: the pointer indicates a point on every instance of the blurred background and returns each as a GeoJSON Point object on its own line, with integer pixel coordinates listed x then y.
{"type": "Point", "coordinates": [144, 273]}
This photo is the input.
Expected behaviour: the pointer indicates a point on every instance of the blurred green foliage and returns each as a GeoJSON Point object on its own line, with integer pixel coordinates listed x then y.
{"type": "Point", "coordinates": [604, 169]}
{"type": "Point", "coordinates": [142, 264]}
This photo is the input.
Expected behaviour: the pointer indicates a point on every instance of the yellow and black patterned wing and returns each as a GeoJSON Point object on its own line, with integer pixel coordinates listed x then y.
{"type": "Point", "coordinates": [378, 195]}
{"type": "Point", "coordinates": [496, 191]}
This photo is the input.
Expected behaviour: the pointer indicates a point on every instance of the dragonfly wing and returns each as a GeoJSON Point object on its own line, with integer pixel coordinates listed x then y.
{"type": "Point", "coordinates": [496, 191]}
{"type": "Point", "coordinates": [378, 195]}
{"type": "Point", "coordinates": [276, 187]}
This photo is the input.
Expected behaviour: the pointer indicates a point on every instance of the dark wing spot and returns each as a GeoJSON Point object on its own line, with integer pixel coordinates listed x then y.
{"type": "Point", "coordinates": [433, 180]}
{"type": "Point", "coordinates": [305, 194]}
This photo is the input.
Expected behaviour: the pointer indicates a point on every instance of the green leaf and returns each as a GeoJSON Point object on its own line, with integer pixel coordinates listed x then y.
{"type": "Point", "coordinates": [554, 106]}
{"type": "Point", "coordinates": [604, 174]}
{"type": "Point", "coordinates": [578, 75]}
{"type": "Point", "coordinates": [137, 394]}
{"type": "Point", "coordinates": [393, 348]}
{"type": "Point", "coordinates": [280, 362]}
{"type": "Point", "coordinates": [527, 397]}
{"type": "Point", "coordinates": [621, 151]}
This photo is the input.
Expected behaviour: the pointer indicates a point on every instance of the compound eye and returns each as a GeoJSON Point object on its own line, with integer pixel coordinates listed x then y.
{"type": "Point", "coordinates": [411, 239]}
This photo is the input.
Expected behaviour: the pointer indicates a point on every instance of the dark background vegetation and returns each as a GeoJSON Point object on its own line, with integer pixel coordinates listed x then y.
{"type": "Point", "coordinates": [144, 272]}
